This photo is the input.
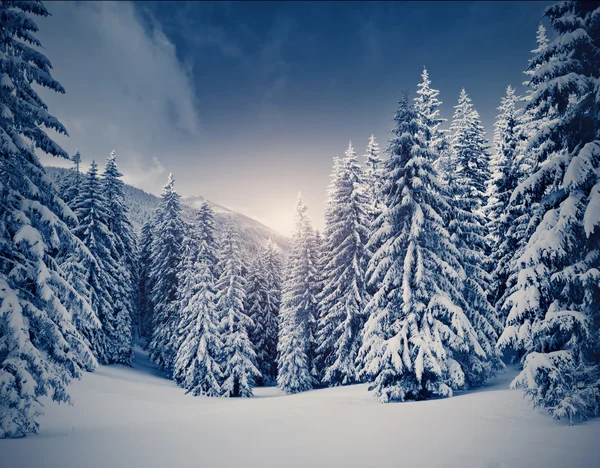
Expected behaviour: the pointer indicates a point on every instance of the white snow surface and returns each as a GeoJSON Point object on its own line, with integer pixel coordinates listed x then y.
{"type": "Point", "coordinates": [134, 417]}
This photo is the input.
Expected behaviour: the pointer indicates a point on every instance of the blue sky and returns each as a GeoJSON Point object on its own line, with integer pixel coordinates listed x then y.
{"type": "Point", "coordinates": [246, 103]}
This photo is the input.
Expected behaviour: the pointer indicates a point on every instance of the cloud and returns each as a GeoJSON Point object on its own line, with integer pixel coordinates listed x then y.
{"type": "Point", "coordinates": [125, 88]}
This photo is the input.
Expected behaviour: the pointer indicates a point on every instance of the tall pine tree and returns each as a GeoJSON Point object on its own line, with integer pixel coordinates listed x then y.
{"type": "Point", "coordinates": [166, 257]}
{"type": "Point", "coordinates": [255, 307]}
{"type": "Point", "coordinates": [271, 266]}
{"type": "Point", "coordinates": [125, 256]}
{"type": "Point", "coordinates": [102, 274]}
{"type": "Point", "coordinates": [71, 184]}
{"type": "Point", "coordinates": [554, 320]}
{"type": "Point", "coordinates": [470, 156]}
{"type": "Point", "coordinates": [40, 348]}
{"type": "Point", "coordinates": [524, 204]}
{"type": "Point", "coordinates": [298, 309]}
{"type": "Point", "coordinates": [143, 322]}
{"type": "Point", "coordinates": [506, 174]}
{"type": "Point", "coordinates": [239, 368]}
{"type": "Point", "coordinates": [467, 188]}
{"type": "Point", "coordinates": [373, 177]}
{"type": "Point", "coordinates": [344, 294]}
{"type": "Point", "coordinates": [198, 366]}
{"type": "Point", "coordinates": [418, 338]}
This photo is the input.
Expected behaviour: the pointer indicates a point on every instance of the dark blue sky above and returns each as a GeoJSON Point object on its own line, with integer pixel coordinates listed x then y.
{"type": "Point", "coordinates": [339, 67]}
{"type": "Point", "coordinates": [280, 88]}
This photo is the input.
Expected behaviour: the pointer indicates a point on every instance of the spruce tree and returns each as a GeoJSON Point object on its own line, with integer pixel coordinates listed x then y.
{"type": "Point", "coordinates": [298, 309]}
{"type": "Point", "coordinates": [470, 156]}
{"type": "Point", "coordinates": [427, 107]}
{"type": "Point", "coordinates": [468, 228]}
{"type": "Point", "coordinates": [239, 359]}
{"type": "Point", "coordinates": [40, 348]}
{"type": "Point", "coordinates": [418, 338]}
{"type": "Point", "coordinates": [271, 265]}
{"type": "Point", "coordinates": [373, 177]}
{"type": "Point", "coordinates": [506, 174]}
{"type": "Point", "coordinates": [553, 320]}
{"type": "Point", "coordinates": [102, 274]}
{"type": "Point", "coordinates": [71, 184]}
{"type": "Point", "coordinates": [344, 292]}
{"type": "Point", "coordinates": [187, 283]}
{"type": "Point", "coordinates": [166, 257]}
{"type": "Point", "coordinates": [197, 366]}
{"type": "Point", "coordinates": [144, 277]}
{"type": "Point", "coordinates": [124, 255]}
{"type": "Point", "coordinates": [524, 204]}
{"type": "Point", "coordinates": [208, 247]}
{"type": "Point", "coordinates": [255, 307]}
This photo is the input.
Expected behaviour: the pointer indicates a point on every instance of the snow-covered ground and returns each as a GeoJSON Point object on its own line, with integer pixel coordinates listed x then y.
{"type": "Point", "coordinates": [133, 417]}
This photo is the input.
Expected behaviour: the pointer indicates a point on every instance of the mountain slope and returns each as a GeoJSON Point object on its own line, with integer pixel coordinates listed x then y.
{"type": "Point", "coordinates": [253, 234]}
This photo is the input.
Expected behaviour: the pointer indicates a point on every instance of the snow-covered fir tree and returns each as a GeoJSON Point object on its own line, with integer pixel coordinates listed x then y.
{"type": "Point", "coordinates": [553, 320]}
{"type": "Point", "coordinates": [506, 175]}
{"type": "Point", "coordinates": [187, 282]}
{"type": "Point", "coordinates": [197, 366]}
{"type": "Point", "coordinates": [143, 318]}
{"type": "Point", "coordinates": [523, 205]}
{"type": "Point", "coordinates": [255, 305]}
{"type": "Point", "coordinates": [467, 188]}
{"type": "Point", "coordinates": [104, 278]}
{"type": "Point", "coordinates": [427, 107]}
{"type": "Point", "coordinates": [344, 294]}
{"type": "Point", "coordinates": [239, 359]}
{"type": "Point", "coordinates": [125, 256]}
{"type": "Point", "coordinates": [469, 157]}
{"type": "Point", "coordinates": [208, 249]}
{"type": "Point", "coordinates": [299, 306]}
{"type": "Point", "coordinates": [166, 257]}
{"type": "Point", "coordinates": [267, 356]}
{"type": "Point", "coordinates": [70, 185]}
{"type": "Point", "coordinates": [40, 348]}
{"type": "Point", "coordinates": [373, 176]}
{"type": "Point", "coordinates": [418, 339]}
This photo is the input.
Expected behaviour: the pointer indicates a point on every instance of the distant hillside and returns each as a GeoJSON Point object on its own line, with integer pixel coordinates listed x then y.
{"type": "Point", "coordinates": [141, 205]}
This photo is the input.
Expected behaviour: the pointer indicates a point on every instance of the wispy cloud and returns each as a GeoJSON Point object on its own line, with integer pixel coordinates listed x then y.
{"type": "Point", "coordinates": [125, 88]}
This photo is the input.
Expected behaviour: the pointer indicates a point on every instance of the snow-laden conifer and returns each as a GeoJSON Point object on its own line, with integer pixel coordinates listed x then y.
{"type": "Point", "coordinates": [524, 205]}
{"type": "Point", "coordinates": [344, 294]}
{"type": "Point", "coordinates": [40, 348]}
{"type": "Point", "coordinates": [418, 338]}
{"type": "Point", "coordinates": [239, 359]}
{"type": "Point", "coordinates": [198, 363]}
{"type": "Point", "coordinates": [70, 185]}
{"type": "Point", "coordinates": [299, 307]}
{"type": "Point", "coordinates": [102, 275]}
{"type": "Point", "coordinates": [125, 256]}
{"type": "Point", "coordinates": [553, 319]}
{"type": "Point", "coordinates": [166, 257]}
{"type": "Point", "coordinates": [373, 177]}
{"type": "Point", "coordinates": [255, 307]}
{"type": "Point", "coordinates": [271, 266]}
{"type": "Point", "coordinates": [470, 158]}
{"type": "Point", "coordinates": [143, 323]}
{"type": "Point", "coordinates": [506, 174]}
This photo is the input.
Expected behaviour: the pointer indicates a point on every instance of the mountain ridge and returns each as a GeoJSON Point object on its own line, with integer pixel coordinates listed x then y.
{"type": "Point", "coordinates": [141, 205]}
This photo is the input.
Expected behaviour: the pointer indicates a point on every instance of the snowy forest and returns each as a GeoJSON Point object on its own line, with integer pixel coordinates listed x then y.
{"type": "Point", "coordinates": [444, 258]}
